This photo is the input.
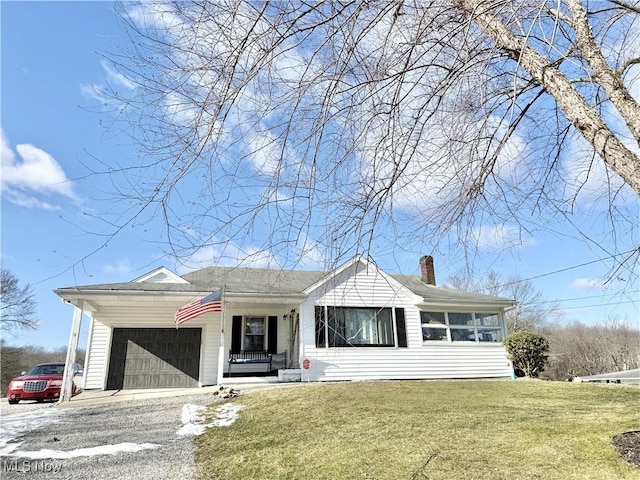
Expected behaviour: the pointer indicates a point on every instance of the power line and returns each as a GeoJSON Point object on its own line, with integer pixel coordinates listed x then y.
{"type": "Point", "coordinates": [584, 298]}
{"type": "Point", "coordinates": [569, 268]}
{"type": "Point", "coordinates": [595, 305]}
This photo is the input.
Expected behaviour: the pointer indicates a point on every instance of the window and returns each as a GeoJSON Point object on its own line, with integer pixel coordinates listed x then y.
{"type": "Point", "coordinates": [354, 327]}
{"type": "Point", "coordinates": [434, 326]}
{"type": "Point", "coordinates": [254, 333]}
{"type": "Point", "coordinates": [489, 328]}
{"type": "Point", "coordinates": [461, 327]}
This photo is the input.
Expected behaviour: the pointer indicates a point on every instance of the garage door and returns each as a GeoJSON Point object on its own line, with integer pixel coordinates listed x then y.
{"type": "Point", "coordinates": [154, 358]}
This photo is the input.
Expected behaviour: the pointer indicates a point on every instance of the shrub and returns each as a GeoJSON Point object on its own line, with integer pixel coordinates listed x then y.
{"type": "Point", "coordinates": [528, 352]}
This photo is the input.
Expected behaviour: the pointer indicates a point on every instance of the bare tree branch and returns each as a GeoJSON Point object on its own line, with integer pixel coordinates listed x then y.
{"type": "Point", "coordinates": [18, 303]}
{"type": "Point", "coordinates": [337, 126]}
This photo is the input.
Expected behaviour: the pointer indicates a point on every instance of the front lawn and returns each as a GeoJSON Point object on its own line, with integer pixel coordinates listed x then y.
{"type": "Point", "coordinates": [390, 430]}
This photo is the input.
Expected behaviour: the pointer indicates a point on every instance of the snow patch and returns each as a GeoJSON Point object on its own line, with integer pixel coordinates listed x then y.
{"type": "Point", "coordinates": [83, 452]}
{"type": "Point", "coordinates": [227, 414]}
{"type": "Point", "coordinates": [192, 418]}
{"type": "Point", "coordinates": [14, 426]}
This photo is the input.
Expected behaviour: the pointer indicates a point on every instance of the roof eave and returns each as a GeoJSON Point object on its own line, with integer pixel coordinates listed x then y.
{"type": "Point", "coordinates": [466, 303]}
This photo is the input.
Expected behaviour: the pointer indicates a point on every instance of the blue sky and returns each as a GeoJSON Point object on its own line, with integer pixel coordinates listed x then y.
{"type": "Point", "coordinates": [52, 136]}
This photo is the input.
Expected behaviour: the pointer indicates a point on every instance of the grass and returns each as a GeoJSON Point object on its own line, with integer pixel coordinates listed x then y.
{"type": "Point", "coordinates": [389, 430]}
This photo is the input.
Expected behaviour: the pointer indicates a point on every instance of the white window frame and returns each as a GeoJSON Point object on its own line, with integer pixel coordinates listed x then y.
{"type": "Point", "coordinates": [475, 326]}
{"type": "Point", "coordinates": [264, 334]}
{"type": "Point", "coordinates": [325, 313]}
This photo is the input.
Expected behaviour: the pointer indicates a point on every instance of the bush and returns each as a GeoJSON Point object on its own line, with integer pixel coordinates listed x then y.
{"type": "Point", "coordinates": [528, 352]}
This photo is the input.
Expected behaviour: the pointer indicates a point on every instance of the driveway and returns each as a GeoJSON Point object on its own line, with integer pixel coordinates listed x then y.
{"type": "Point", "coordinates": [146, 438]}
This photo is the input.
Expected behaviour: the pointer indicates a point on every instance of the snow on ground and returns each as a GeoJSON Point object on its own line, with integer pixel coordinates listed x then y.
{"type": "Point", "coordinates": [14, 426]}
{"type": "Point", "coordinates": [83, 452]}
{"type": "Point", "coordinates": [192, 418]}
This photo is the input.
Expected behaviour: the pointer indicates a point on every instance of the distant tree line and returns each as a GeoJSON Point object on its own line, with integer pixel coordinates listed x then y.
{"type": "Point", "coordinates": [580, 349]}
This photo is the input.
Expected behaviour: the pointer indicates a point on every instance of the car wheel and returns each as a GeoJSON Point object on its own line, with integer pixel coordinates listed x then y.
{"type": "Point", "coordinates": [13, 402]}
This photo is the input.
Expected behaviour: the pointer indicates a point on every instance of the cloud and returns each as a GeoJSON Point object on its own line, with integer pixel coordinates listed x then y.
{"type": "Point", "coordinates": [28, 173]}
{"type": "Point", "coordinates": [114, 79]}
{"type": "Point", "coordinates": [119, 267]}
{"type": "Point", "coordinates": [499, 237]}
{"type": "Point", "coordinates": [229, 255]}
{"type": "Point", "coordinates": [587, 283]}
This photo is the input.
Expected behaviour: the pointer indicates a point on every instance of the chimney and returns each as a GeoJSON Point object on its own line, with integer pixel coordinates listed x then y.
{"type": "Point", "coordinates": [427, 273]}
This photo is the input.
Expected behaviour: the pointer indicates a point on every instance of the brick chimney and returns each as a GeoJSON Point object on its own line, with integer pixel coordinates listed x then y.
{"type": "Point", "coordinates": [427, 273]}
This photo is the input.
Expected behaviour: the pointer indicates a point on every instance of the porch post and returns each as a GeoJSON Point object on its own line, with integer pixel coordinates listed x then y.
{"type": "Point", "coordinates": [72, 348]}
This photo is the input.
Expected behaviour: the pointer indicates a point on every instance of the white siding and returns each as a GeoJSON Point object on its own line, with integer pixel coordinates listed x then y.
{"type": "Point", "coordinates": [429, 361]}
{"type": "Point", "coordinates": [209, 353]}
{"type": "Point", "coordinates": [97, 356]}
{"type": "Point", "coordinates": [359, 286]}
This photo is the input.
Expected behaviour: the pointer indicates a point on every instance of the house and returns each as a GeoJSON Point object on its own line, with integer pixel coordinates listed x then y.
{"type": "Point", "coordinates": [355, 322]}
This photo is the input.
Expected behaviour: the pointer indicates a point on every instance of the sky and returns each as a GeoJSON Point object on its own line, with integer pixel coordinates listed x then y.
{"type": "Point", "coordinates": [53, 137]}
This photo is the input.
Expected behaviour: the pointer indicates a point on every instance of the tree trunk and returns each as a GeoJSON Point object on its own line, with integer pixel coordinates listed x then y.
{"type": "Point", "coordinates": [576, 109]}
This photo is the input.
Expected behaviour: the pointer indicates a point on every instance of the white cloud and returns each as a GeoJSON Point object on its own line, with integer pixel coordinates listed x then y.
{"type": "Point", "coordinates": [587, 283]}
{"type": "Point", "coordinates": [229, 255]}
{"type": "Point", "coordinates": [119, 267]}
{"type": "Point", "coordinates": [29, 172]}
{"type": "Point", "coordinates": [499, 237]}
{"type": "Point", "coordinates": [265, 153]}
{"type": "Point", "coordinates": [116, 78]}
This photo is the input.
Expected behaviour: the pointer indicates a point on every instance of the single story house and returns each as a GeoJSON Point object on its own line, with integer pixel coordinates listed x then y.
{"type": "Point", "coordinates": [355, 322]}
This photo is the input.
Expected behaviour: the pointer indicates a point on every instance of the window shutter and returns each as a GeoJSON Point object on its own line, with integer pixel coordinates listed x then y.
{"type": "Point", "coordinates": [401, 327]}
{"type": "Point", "coordinates": [320, 324]}
{"type": "Point", "coordinates": [272, 330]}
{"type": "Point", "coordinates": [236, 334]}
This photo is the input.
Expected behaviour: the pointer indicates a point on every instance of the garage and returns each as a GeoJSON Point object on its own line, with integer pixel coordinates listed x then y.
{"type": "Point", "coordinates": [154, 358]}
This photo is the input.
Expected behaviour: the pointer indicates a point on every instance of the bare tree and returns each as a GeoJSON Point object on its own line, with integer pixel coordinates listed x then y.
{"type": "Point", "coordinates": [531, 312]}
{"type": "Point", "coordinates": [337, 124]}
{"type": "Point", "coordinates": [579, 349]}
{"type": "Point", "coordinates": [18, 303]}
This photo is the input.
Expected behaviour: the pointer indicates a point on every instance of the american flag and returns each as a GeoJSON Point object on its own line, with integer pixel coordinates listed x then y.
{"type": "Point", "coordinates": [210, 303]}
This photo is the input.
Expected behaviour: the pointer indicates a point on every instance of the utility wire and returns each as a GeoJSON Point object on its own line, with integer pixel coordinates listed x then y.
{"type": "Point", "coordinates": [595, 305]}
{"type": "Point", "coordinates": [583, 298]}
{"type": "Point", "coordinates": [569, 268]}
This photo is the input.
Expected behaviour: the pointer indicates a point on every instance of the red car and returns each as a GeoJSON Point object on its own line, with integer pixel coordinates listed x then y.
{"type": "Point", "coordinates": [42, 382]}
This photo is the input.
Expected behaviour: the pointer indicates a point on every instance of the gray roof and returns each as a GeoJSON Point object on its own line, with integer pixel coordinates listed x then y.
{"type": "Point", "coordinates": [254, 280]}
{"type": "Point", "coordinates": [276, 282]}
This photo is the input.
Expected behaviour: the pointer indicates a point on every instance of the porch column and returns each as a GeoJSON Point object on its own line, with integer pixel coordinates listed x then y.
{"type": "Point", "coordinates": [72, 348]}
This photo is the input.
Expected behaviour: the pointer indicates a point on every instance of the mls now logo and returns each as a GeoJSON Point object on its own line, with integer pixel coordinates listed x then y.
{"type": "Point", "coordinates": [30, 466]}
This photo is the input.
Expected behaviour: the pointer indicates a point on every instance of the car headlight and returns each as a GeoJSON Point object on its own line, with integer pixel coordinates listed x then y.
{"type": "Point", "coordinates": [16, 384]}
{"type": "Point", "coordinates": [55, 383]}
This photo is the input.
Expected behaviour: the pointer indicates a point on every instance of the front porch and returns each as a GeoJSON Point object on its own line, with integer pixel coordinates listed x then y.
{"type": "Point", "coordinates": [278, 370]}
{"type": "Point", "coordinates": [260, 343]}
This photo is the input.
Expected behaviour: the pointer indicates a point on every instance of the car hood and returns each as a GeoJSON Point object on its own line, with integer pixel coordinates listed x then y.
{"type": "Point", "coordinates": [32, 378]}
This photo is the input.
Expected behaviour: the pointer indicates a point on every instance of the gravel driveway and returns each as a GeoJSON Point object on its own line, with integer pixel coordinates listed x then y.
{"type": "Point", "coordinates": [149, 426]}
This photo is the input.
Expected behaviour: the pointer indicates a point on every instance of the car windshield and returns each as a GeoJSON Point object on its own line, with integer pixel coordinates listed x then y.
{"type": "Point", "coordinates": [46, 370]}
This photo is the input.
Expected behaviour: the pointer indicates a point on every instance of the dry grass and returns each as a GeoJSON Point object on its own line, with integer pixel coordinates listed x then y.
{"type": "Point", "coordinates": [390, 430]}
